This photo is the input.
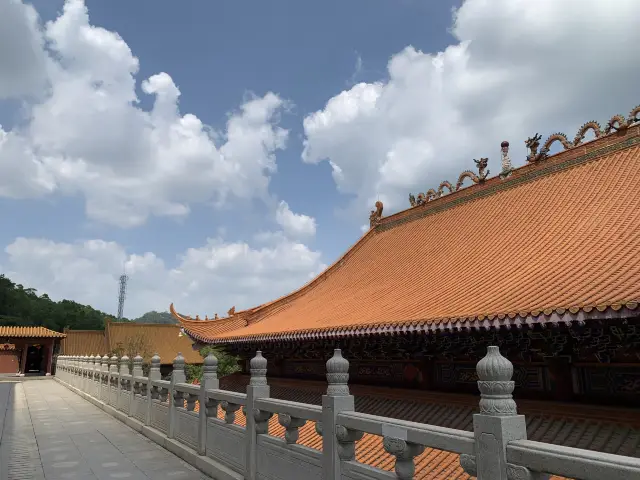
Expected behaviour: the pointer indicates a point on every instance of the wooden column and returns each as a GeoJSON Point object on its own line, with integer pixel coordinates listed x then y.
{"type": "Point", "coordinates": [49, 358]}
{"type": "Point", "coordinates": [23, 360]}
{"type": "Point", "coordinates": [561, 378]}
{"type": "Point", "coordinates": [427, 369]}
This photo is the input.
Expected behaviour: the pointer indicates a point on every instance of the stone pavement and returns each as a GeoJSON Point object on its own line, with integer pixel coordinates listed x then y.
{"type": "Point", "coordinates": [49, 432]}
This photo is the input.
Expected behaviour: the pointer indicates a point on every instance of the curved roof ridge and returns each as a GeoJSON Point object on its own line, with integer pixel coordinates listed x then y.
{"type": "Point", "coordinates": [544, 164]}
{"type": "Point", "coordinates": [488, 187]}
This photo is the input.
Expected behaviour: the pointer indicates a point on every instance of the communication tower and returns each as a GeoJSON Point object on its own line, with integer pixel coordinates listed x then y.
{"type": "Point", "coordinates": [122, 294]}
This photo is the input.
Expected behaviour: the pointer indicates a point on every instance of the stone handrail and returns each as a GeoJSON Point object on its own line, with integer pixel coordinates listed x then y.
{"type": "Point", "coordinates": [448, 439]}
{"type": "Point", "coordinates": [227, 396]}
{"type": "Point", "coordinates": [497, 449]}
{"type": "Point", "coordinates": [570, 462]}
{"type": "Point", "coordinates": [294, 409]}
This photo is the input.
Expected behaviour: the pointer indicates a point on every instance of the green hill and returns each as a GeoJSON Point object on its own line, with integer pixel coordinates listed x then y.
{"type": "Point", "coordinates": [24, 307]}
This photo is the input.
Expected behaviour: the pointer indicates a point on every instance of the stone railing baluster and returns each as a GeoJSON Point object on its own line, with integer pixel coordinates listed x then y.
{"type": "Point", "coordinates": [209, 381]}
{"type": "Point", "coordinates": [336, 443]}
{"type": "Point", "coordinates": [498, 421]}
{"type": "Point", "coordinates": [405, 452]}
{"type": "Point", "coordinates": [152, 391]}
{"type": "Point", "coordinates": [230, 410]}
{"type": "Point", "coordinates": [291, 424]}
{"type": "Point", "coordinates": [257, 388]}
{"type": "Point", "coordinates": [176, 398]}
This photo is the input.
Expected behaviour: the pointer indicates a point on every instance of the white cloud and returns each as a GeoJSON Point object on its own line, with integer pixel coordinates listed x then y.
{"type": "Point", "coordinates": [294, 224]}
{"type": "Point", "coordinates": [206, 280]}
{"type": "Point", "coordinates": [518, 67]}
{"type": "Point", "coordinates": [89, 136]}
{"type": "Point", "coordinates": [21, 54]}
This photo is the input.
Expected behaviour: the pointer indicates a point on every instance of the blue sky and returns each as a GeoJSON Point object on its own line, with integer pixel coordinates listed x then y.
{"type": "Point", "coordinates": [303, 51]}
{"type": "Point", "coordinates": [407, 96]}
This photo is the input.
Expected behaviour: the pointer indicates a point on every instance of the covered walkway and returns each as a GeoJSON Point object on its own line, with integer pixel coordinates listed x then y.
{"type": "Point", "coordinates": [49, 432]}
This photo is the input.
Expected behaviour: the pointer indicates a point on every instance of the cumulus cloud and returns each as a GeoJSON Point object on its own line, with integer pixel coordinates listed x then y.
{"type": "Point", "coordinates": [205, 280]}
{"type": "Point", "coordinates": [295, 225]}
{"type": "Point", "coordinates": [22, 56]}
{"type": "Point", "coordinates": [517, 67]}
{"type": "Point", "coordinates": [89, 135]}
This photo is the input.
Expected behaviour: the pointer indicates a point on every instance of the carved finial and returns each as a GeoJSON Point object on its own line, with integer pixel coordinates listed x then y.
{"type": "Point", "coordinates": [198, 318]}
{"type": "Point", "coordinates": [495, 384]}
{"type": "Point", "coordinates": [210, 365]}
{"type": "Point", "coordinates": [412, 200]}
{"type": "Point", "coordinates": [506, 160]}
{"type": "Point", "coordinates": [113, 364]}
{"type": "Point", "coordinates": [178, 375]}
{"type": "Point", "coordinates": [232, 311]}
{"type": "Point", "coordinates": [105, 360]}
{"type": "Point", "coordinates": [137, 366]}
{"type": "Point", "coordinates": [337, 375]}
{"type": "Point", "coordinates": [154, 369]}
{"type": "Point", "coordinates": [215, 317]}
{"type": "Point", "coordinates": [124, 365]}
{"type": "Point", "coordinates": [376, 215]}
{"type": "Point", "coordinates": [258, 368]}
{"type": "Point", "coordinates": [178, 362]}
{"type": "Point", "coordinates": [206, 318]}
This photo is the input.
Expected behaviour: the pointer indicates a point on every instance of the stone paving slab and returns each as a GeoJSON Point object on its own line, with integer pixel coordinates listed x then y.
{"type": "Point", "coordinates": [47, 432]}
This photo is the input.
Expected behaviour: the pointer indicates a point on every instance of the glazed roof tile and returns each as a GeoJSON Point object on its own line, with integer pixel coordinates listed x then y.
{"type": "Point", "coordinates": [557, 239]}
{"type": "Point", "coordinates": [163, 339]}
{"type": "Point", "coordinates": [84, 342]}
{"type": "Point", "coordinates": [603, 429]}
{"type": "Point", "coordinates": [35, 332]}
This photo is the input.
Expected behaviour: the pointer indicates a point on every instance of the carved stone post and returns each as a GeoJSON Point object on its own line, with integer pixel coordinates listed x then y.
{"type": "Point", "coordinates": [113, 381]}
{"type": "Point", "coordinates": [122, 381]}
{"type": "Point", "coordinates": [497, 423]}
{"type": "Point", "coordinates": [209, 380]}
{"type": "Point", "coordinates": [154, 374]}
{"type": "Point", "coordinates": [104, 376]}
{"type": "Point", "coordinates": [175, 398]}
{"type": "Point", "coordinates": [133, 386]}
{"type": "Point", "coordinates": [91, 390]}
{"type": "Point", "coordinates": [257, 388]}
{"type": "Point", "coordinates": [337, 443]}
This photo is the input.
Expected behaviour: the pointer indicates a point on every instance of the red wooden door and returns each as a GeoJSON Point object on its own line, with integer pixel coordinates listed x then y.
{"type": "Point", "coordinates": [9, 361]}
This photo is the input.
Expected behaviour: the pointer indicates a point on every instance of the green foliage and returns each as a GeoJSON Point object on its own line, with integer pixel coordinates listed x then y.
{"type": "Point", "coordinates": [22, 306]}
{"type": "Point", "coordinates": [156, 317]}
{"type": "Point", "coordinates": [227, 364]}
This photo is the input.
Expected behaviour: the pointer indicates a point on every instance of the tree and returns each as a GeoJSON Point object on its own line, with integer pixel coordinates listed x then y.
{"type": "Point", "coordinates": [132, 346]}
{"type": "Point", "coordinates": [227, 364]}
{"type": "Point", "coordinates": [21, 306]}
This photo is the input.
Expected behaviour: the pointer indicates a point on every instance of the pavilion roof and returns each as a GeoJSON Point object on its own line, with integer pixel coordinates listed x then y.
{"type": "Point", "coordinates": [31, 332]}
{"type": "Point", "coordinates": [556, 240]}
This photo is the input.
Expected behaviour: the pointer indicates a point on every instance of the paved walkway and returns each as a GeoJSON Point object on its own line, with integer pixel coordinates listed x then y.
{"type": "Point", "coordinates": [49, 432]}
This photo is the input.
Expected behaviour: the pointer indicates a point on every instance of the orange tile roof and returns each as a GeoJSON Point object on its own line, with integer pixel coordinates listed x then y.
{"type": "Point", "coordinates": [84, 342]}
{"type": "Point", "coordinates": [559, 235]}
{"type": "Point", "coordinates": [35, 332]}
{"type": "Point", "coordinates": [163, 339]}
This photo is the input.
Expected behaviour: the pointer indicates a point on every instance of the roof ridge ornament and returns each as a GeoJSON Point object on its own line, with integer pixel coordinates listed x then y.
{"type": "Point", "coordinates": [506, 160]}
{"type": "Point", "coordinates": [376, 215]}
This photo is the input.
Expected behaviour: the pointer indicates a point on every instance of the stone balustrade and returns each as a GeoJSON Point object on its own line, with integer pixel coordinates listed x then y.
{"type": "Point", "coordinates": [164, 411]}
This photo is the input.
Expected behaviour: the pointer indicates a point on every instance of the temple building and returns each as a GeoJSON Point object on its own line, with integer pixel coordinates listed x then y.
{"type": "Point", "coordinates": [132, 338]}
{"type": "Point", "coordinates": [28, 350]}
{"type": "Point", "coordinates": [542, 260]}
